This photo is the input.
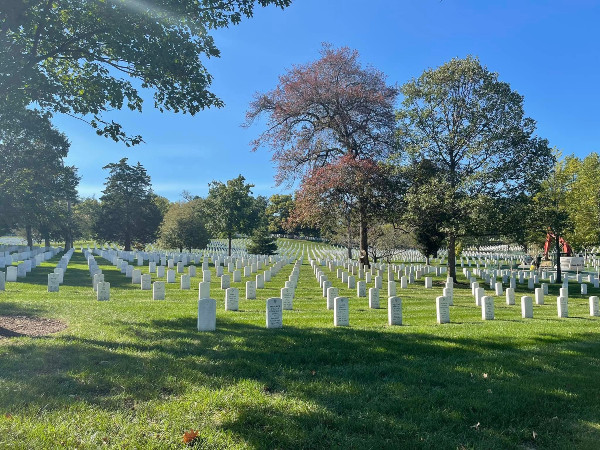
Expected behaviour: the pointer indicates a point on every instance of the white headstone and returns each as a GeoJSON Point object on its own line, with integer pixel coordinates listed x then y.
{"type": "Point", "coordinates": [146, 282]}
{"type": "Point", "coordinates": [232, 299]}
{"type": "Point", "coordinates": [103, 291]}
{"type": "Point", "coordinates": [192, 271]}
{"type": "Point", "coordinates": [326, 285]}
{"type": "Point", "coordinates": [158, 290]}
{"type": "Point", "coordinates": [391, 288]}
{"type": "Point", "coordinates": [136, 276]}
{"type": "Point", "coordinates": [526, 307]}
{"type": "Point", "coordinates": [539, 296]}
{"type": "Point", "coordinates": [583, 289]}
{"type": "Point", "coordinates": [479, 293]}
{"type": "Point", "coordinates": [225, 281]}
{"type": "Point", "coordinates": [341, 312]}
{"type": "Point", "coordinates": [332, 293]}
{"type": "Point", "coordinates": [361, 291]}
{"type": "Point", "coordinates": [250, 290]}
{"type": "Point", "coordinates": [428, 282]}
{"type": "Point", "coordinates": [160, 271]}
{"type": "Point", "coordinates": [287, 298]}
{"type": "Point", "coordinates": [374, 298]}
{"type": "Point", "coordinates": [185, 282]}
{"type": "Point", "coordinates": [203, 290]}
{"type": "Point", "coordinates": [594, 306]}
{"type": "Point", "coordinates": [351, 282]}
{"type": "Point", "coordinates": [403, 282]}
{"type": "Point", "coordinates": [207, 314]}
{"type": "Point", "coordinates": [442, 309]}
{"type": "Point", "coordinates": [394, 311]}
{"type": "Point", "coordinates": [206, 275]}
{"type": "Point", "coordinates": [274, 313]}
{"type": "Point", "coordinates": [53, 280]}
{"type": "Point", "coordinates": [180, 267]}
{"type": "Point", "coordinates": [237, 276]}
{"type": "Point", "coordinates": [487, 307]}
{"type": "Point", "coordinates": [510, 296]}
{"type": "Point", "coordinates": [2, 281]}
{"type": "Point", "coordinates": [562, 306]}
{"type": "Point", "coordinates": [170, 276]}
{"type": "Point", "coordinates": [499, 291]}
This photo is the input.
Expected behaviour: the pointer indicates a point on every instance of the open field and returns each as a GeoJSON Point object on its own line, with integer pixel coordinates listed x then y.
{"type": "Point", "coordinates": [135, 373]}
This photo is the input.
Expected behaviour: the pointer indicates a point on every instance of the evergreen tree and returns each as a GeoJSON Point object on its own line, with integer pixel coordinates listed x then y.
{"type": "Point", "coordinates": [262, 242]}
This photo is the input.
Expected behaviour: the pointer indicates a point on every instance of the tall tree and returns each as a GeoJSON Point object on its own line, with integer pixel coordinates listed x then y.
{"type": "Point", "coordinates": [183, 226]}
{"type": "Point", "coordinates": [278, 212]}
{"type": "Point", "coordinates": [79, 57]}
{"type": "Point", "coordinates": [128, 212]}
{"type": "Point", "coordinates": [330, 111]}
{"type": "Point", "coordinates": [473, 127]}
{"type": "Point", "coordinates": [231, 208]}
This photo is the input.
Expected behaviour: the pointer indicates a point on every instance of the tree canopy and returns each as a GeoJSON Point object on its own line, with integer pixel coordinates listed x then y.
{"type": "Point", "coordinates": [183, 226]}
{"type": "Point", "coordinates": [473, 127]}
{"type": "Point", "coordinates": [81, 57]}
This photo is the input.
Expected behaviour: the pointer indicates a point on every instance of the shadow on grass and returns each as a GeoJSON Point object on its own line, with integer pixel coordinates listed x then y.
{"type": "Point", "coordinates": [355, 388]}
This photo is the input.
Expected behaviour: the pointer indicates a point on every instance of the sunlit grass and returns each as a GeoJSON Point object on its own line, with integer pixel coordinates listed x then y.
{"type": "Point", "coordinates": [135, 373]}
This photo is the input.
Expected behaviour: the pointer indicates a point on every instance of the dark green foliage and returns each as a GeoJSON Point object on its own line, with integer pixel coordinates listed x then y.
{"type": "Point", "coordinates": [80, 57]}
{"type": "Point", "coordinates": [262, 242]}
{"type": "Point", "coordinates": [183, 227]}
{"type": "Point", "coordinates": [128, 212]}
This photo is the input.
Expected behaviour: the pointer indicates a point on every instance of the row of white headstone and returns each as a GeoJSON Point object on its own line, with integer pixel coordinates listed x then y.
{"type": "Point", "coordinates": [34, 258]}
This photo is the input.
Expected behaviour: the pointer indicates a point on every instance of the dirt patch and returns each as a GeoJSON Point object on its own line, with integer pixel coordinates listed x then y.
{"type": "Point", "coordinates": [17, 326]}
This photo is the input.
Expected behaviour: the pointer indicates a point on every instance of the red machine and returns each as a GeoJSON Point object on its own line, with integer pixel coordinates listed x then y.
{"type": "Point", "coordinates": [566, 248]}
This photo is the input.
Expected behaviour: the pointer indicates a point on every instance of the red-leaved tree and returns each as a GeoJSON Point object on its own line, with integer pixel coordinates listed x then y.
{"type": "Point", "coordinates": [328, 115]}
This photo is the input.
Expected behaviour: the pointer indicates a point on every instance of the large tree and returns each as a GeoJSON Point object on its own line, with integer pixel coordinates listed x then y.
{"type": "Point", "coordinates": [330, 111]}
{"type": "Point", "coordinates": [183, 226]}
{"type": "Point", "coordinates": [231, 209]}
{"type": "Point", "coordinates": [80, 57]}
{"type": "Point", "coordinates": [278, 212]}
{"type": "Point", "coordinates": [473, 127]}
{"type": "Point", "coordinates": [128, 212]}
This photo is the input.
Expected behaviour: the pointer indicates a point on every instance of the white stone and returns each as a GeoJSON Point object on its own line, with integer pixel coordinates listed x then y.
{"type": "Point", "coordinates": [61, 274]}
{"type": "Point", "coordinates": [103, 292]}
{"type": "Point", "coordinates": [2, 281]}
{"type": "Point", "coordinates": [351, 282]}
{"type": "Point", "coordinates": [160, 271]}
{"type": "Point", "coordinates": [98, 277]}
{"type": "Point", "coordinates": [499, 291]}
{"type": "Point", "coordinates": [530, 284]}
{"type": "Point", "coordinates": [247, 272]}
{"type": "Point", "coordinates": [545, 288]}
{"type": "Point", "coordinates": [442, 310]}
{"type": "Point", "coordinates": [21, 270]}
{"type": "Point", "coordinates": [232, 299]}
{"type": "Point", "coordinates": [225, 281]}
{"type": "Point", "coordinates": [146, 282]}
{"type": "Point", "coordinates": [374, 298]}
{"type": "Point", "coordinates": [378, 282]}
{"type": "Point", "coordinates": [192, 271]}
{"type": "Point", "coordinates": [487, 307]}
{"type": "Point", "coordinates": [564, 292]}
{"type": "Point", "coordinates": [203, 290]}
{"type": "Point", "coordinates": [391, 288]}
{"type": "Point", "coordinates": [539, 296]}
{"type": "Point", "coordinates": [274, 313]}
{"type": "Point", "coordinates": [326, 285]}
{"type": "Point", "coordinates": [53, 282]}
{"type": "Point", "coordinates": [428, 282]}
{"type": "Point", "coordinates": [479, 293]}
{"type": "Point", "coordinates": [584, 289]}
{"type": "Point", "coordinates": [287, 298]}
{"type": "Point", "coordinates": [562, 306]}
{"type": "Point", "coordinates": [136, 276]}
{"type": "Point", "coordinates": [260, 281]}
{"type": "Point", "coordinates": [185, 282]}
{"type": "Point", "coordinates": [449, 294]}
{"type": "Point", "coordinates": [158, 290]}
{"type": "Point", "coordinates": [332, 293]}
{"type": "Point", "coordinates": [341, 312]}
{"type": "Point", "coordinates": [594, 311]}
{"type": "Point", "coordinates": [250, 290]}
{"type": "Point", "coordinates": [170, 276]}
{"type": "Point", "coordinates": [180, 267]}
{"type": "Point", "coordinates": [207, 314]}
{"type": "Point", "coordinates": [510, 296]}
{"type": "Point", "coordinates": [171, 263]}
{"type": "Point", "coordinates": [219, 271]}
{"type": "Point", "coordinates": [394, 311]}
{"type": "Point", "coordinates": [526, 307]}
{"type": "Point", "coordinates": [206, 275]}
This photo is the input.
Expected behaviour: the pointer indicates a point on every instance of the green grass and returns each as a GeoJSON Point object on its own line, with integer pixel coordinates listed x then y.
{"type": "Point", "coordinates": [135, 373]}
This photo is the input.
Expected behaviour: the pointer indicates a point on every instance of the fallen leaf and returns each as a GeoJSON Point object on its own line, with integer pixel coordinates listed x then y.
{"type": "Point", "coordinates": [476, 426]}
{"type": "Point", "coordinates": [8, 416]}
{"type": "Point", "coordinates": [313, 373]}
{"type": "Point", "coordinates": [189, 436]}
{"type": "Point", "coordinates": [489, 391]}
{"type": "Point", "coordinates": [534, 435]}
{"type": "Point", "coordinates": [485, 375]}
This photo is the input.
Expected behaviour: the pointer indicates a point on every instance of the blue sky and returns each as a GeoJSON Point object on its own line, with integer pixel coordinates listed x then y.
{"type": "Point", "coordinates": [548, 51]}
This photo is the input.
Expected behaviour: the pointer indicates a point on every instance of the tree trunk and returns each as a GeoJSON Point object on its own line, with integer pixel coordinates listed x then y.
{"type": "Point", "coordinates": [426, 260]}
{"type": "Point", "coordinates": [46, 240]}
{"type": "Point", "coordinates": [349, 239]}
{"type": "Point", "coordinates": [364, 244]}
{"type": "Point", "coordinates": [229, 238]}
{"type": "Point", "coordinates": [452, 256]}
{"type": "Point", "coordinates": [127, 243]}
{"type": "Point", "coordinates": [29, 235]}
{"type": "Point", "coordinates": [69, 233]}
{"type": "Point", "coordinates": [558, 271]}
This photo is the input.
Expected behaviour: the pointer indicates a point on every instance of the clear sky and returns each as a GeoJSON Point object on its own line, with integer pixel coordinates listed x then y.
{"type": "Point", "coordinates": [548, 51]}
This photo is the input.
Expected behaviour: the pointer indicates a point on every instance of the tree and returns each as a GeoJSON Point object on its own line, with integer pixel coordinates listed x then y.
{"type": "Point", "coordinates": [331, 111]}
{"type": "Point", "coordinates": [262, 242]}
{"type": "Point", "coordinates": [128, 213]}
{"type": "Point", "coordinates": [85, 214]}
{"type": "Point", "coordinates": [183, 227]}
{"type": "Point", "coordinates": [33, 176]}
{"type": "Point", "coordinates": [278, 212]}
{"type": "Point", "coordinates": [472, 126]}
{"type": "Point", "coordinates": [551, 207]}
{"type": "Point", "coordinates": [231, 208]}
{"type": "Point", "coordinates": [79, 57]}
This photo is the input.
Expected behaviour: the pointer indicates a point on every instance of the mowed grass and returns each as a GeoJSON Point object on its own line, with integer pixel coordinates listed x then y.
{"type": "Point", "coordinates": [135, 373]}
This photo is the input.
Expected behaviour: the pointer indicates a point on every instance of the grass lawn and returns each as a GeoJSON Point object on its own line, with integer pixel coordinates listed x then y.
{"type": "Point", "coordinates": [135, 373]}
